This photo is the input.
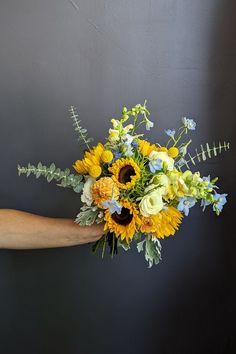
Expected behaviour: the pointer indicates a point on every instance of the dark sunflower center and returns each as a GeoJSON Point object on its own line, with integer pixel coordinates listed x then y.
{"type": "Point", "coordinates": [126, 173]}
{"type": "Point", "coordinates": [124, 218]}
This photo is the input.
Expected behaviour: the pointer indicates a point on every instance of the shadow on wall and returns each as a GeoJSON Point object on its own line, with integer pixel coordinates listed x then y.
{"type": "Point", "coordinates": [201, 311]}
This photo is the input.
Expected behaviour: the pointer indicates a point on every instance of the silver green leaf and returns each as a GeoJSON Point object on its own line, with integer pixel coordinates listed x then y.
{"type": "Point", "coordinates": [88, 215]}
{"type": "Point", "coordinates": [81, 132]}
{"type": "Point", "coordinates": [64, 178]}
{"type": "Point", "coordinates": [152, 250]}
{"type": "Point", "coordinates": [205, 153]}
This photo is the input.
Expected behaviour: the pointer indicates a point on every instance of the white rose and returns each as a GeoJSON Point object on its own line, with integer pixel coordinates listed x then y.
{"type": "Point", "coordinates": [164, 157]}
{"type": "Point", "coordinates": [86, 196]}
{"type": "Point", "coordinates": [152, 203]}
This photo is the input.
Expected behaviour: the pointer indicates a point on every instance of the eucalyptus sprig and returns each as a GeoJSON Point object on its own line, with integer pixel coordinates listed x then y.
{"type": "Point", "coordinates": [82, 135]}
{"type": "Point", "coordinates": [66, 179]}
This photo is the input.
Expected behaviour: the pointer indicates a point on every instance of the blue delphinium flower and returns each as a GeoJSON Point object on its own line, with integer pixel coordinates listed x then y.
{"type": "Point", "coordinates": [204, 204]}
{"type": "Point", "coordinates": [116, 156]}
{"type": "Point", "coordinates": [170, 133]}
{"type": "Point", "coordinates": [135, 144]}
{"type": "Point", "coordinates": [189, 123]}
{"type": "Point", "coordinates": [155, 165]}
{"type": "Point", "coordinates": [112, 205]}
{"type": "Point", "coordinates": [210, 185]}
{"type": "Point", "coordinates": [127, 144]}
{"type": "Point", "coordinates": [185, 204]}
{"type": "Point", "coordinates": [149, 124]}
{"type": "Point", "coordinates": [220, 201]}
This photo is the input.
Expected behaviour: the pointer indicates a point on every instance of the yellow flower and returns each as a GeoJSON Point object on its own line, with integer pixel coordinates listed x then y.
{"type": "Point", "coordinates": [167, 222]}
{"type": "Point", "coordinates": [125, 173]}
{"type": "Point", "coordinates": [173, 152]}
{"type": "Point", "coordinates": [107, 156]}
{"type": "Point", "coordinates": [95, 171]}
{"type": "Point", "coordinates": [148, 225]}
{"type": "Point", "coordinates": [177, 187]}
{"type": "Point", "coordinates": [123, 225]}
{"type": "Point", "coordinates": [104, 189]}
{"type": "Point", "coordinates": [114, 135]}
{"type": "Point", "coordinates": [80, 167]}
{"type": "Point", "coordinates": [145, 148]}
{"type": "Point", "coordinates": [91, 158]}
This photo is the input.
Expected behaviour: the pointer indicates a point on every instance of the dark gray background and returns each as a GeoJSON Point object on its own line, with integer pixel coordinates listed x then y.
{"type": "Point", "coordinates": [99, 55]}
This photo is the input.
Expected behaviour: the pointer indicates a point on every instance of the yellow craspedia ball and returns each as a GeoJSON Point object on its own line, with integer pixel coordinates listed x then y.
{"type": "Point", "coordinates": [107, 156]}
{"type": "Point", "coordinates": [173, 152]}
{"type": "Point", "coordinates": [95, 171]}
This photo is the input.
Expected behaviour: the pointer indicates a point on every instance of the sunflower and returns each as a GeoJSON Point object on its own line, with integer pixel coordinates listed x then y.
{"type": "Point", "coordinates": [125, 173]}
{"type": "Point", "coordinates": [167, 222]}
{"type": "Point", "coordinates": [145, 148]}
{"type": "Point", "coordinates": [92, 158]}
{"type": "Point", "coordinates": [125, 224]}
{"type": "Point", "coordinates": [104, 189]}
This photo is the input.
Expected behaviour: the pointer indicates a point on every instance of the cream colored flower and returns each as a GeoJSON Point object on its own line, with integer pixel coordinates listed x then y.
{"type": "Point", "coordinates": [114, 135]}
{"type": "Point", "coordinates": [86, 196]}
{"type": "Point", "coordinates": [127, 128]}
{"type": "Point", "coordinates": [115, 123]}
{"type": "Point", "coordinates": [164, 157]}
{"type": "Point", "coordinates": [152, 203]}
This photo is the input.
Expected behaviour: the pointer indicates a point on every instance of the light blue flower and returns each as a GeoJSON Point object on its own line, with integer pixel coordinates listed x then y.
{"type": "Point", "coordinates": [112, 205]}
{"type": "Point", "coordinates": [189, 123]}
{"type": "Point", "coordinates": [185, 204]}
{"type": "Point", "coordinates": [155, 165]}
{"type": "Point", "coordinates": [128, 138]}
{"type": "Point", "coordinates": [135, 145]}
{"type": "Point", "coordinates": [220, 201]}
{"type": "Point", "coordinates": [204, 204]}
{"type": "Point", "coordinates": [129, 151]}
{"type": "Point", "coordinates": [170, 133]}
{"type": "Point", "coordinates": [149, 124]}
{"type": "Point", "coordinates": [116, 156]}
{"type": "Point", "coordinates": [210, 185]}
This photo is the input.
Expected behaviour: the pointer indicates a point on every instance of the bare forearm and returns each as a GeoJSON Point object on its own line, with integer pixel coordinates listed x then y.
{"type": "Point", "coordinates": [20, 230]}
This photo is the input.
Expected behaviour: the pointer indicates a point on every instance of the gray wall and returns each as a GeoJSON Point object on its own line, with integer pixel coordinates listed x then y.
{"type": "Point", "coordinates": [99, 55]}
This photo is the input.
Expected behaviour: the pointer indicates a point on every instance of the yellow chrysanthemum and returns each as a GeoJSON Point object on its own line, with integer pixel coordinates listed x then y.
{"type": "Point", "coordinates": [123, 225]}
{"type": "Point", "coordinates": [104, 189]}
{"type": "Point", "coordinates": [167, 222]}
{"type": "Point", "coordinates": [145, 148]}
{"type": "Point", "coordinates": [173, 152]}
{"type": "Point", "coordinates": [91, 158]}
{"type": "Point", "coordinates": [125, 172]}
{"type": "Point", "coordinates": [107, 156]}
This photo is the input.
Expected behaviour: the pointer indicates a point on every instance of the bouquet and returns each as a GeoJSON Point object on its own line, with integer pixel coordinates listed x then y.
{"type": "Point", "coordinates": [140, 190]}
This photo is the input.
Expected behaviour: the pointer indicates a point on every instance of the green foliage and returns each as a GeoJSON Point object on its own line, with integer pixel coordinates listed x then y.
{"type": "Point", "coordinates": [152, 250]}
{"type": "Point", "coordinates": [88, 215]}
{"type": "Point", "coordinates": [123, 244]}
{"type": "Point", "coordinates": [83, 138]}
{"type": "Point", "coordinates": [205, 153]}
{"type": "Point", "coordinates": [66, 179]}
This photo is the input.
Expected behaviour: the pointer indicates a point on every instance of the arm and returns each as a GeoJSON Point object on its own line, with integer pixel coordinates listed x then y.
{"type": "Point", "coordinates": [20, 230]}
